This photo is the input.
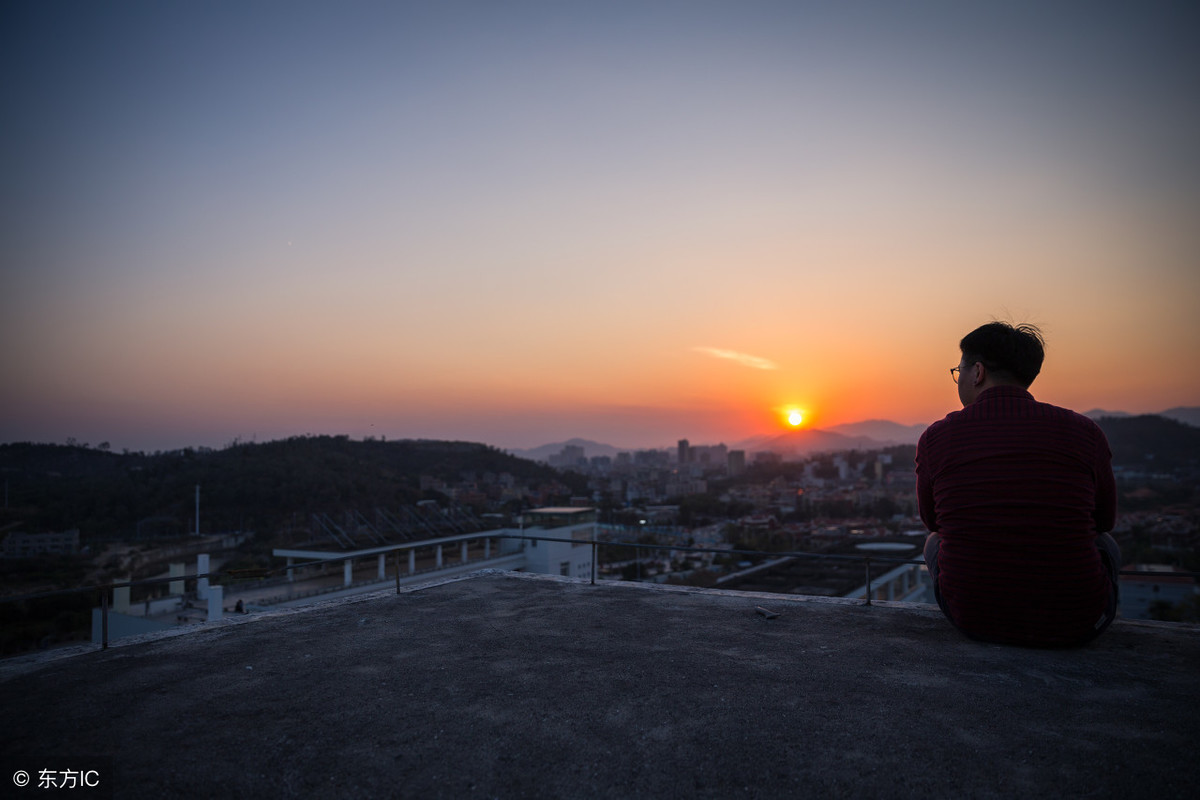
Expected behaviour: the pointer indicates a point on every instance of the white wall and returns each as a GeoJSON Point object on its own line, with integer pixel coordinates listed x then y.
{"type": "Point", "coordinates": [548, 557]}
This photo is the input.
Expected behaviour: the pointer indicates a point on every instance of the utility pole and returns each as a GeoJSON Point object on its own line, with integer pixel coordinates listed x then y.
{"type": "Point", "coordinates": [197, 509]}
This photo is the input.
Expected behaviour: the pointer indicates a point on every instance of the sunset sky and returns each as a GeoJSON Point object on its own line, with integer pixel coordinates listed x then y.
{"type": "Point", "coordinates": [631, 222]}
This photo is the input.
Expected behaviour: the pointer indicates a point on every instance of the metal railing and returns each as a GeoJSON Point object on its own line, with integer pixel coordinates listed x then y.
{"type": "Point", "coordinates": [259, 574]}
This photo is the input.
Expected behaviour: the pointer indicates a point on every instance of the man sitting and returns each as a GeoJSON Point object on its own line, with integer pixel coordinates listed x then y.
{"type": "Point", "coordinates": [1018, 496]}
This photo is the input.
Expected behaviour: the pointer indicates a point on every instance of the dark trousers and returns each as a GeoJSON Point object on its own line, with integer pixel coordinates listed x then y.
{"type": "Point", "coordinates": [1110, 555]}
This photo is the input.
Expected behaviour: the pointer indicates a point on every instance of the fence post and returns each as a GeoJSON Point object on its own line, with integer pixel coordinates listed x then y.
{"type": "Point", "coordinates": [868, 563]}
{"type": "Point", "coordinates": [104, 618]}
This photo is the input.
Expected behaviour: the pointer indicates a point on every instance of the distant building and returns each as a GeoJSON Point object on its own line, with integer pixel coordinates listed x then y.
{"type": "Point", "coordinates": [712, 456]}
{"type": "Point", "coordinates": [736, 463]}
{"type": "Point", "coordinates": [572, 455]}
{"type": "Point", "coordinates": [685, 454]}
{"type": "Point", "coordinates": [652, 458]}
{"type": "Point", "coordinates": [685, 486]}
{"type": "Point", "coordinates": [569, 558]}
{"type": "Point", "coordinates": [842, 466]}
{"type": "Point", "coordinates": [28, 545]}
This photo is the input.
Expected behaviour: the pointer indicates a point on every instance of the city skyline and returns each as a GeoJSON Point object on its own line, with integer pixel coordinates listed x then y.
{"type": "Point", "coordinates": [631, 224]}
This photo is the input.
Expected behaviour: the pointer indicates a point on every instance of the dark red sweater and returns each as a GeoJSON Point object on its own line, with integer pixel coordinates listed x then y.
{"type": "Point", "coordinates": [1018, 491]}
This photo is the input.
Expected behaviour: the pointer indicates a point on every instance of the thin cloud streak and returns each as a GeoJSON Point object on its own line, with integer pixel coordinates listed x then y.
{"type": "Point", "coordinates": [742, 358]}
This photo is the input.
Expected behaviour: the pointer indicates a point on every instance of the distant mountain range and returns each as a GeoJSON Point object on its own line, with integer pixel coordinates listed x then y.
{"type": "Point", "coordinates": [867, 435]}
{"type": "Point", "coordinates": [1189, 415]}
{"type": "Point", "coordinates": [590, 450]}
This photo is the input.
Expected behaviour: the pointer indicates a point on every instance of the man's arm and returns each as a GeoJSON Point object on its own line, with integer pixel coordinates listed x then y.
{"type": "Point", "coordinates": [925, 491]}
{"type": "Point", "coordinates": [1105, 513]}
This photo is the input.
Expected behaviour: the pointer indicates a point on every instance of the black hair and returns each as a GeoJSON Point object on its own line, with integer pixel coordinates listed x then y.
{"type": "Point", "coordinates": [1013, 350]}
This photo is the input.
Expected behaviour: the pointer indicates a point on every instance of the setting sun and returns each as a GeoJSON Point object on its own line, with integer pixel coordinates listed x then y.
{"type": "Point", "coordinates": [794, 418]}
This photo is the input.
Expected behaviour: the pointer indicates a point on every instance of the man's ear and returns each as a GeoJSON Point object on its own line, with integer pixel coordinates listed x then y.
{"type": "Point", "coordinates": [980, 373]}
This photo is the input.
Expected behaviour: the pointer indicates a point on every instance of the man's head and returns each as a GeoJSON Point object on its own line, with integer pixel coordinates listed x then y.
{"type": "Point", "coordinates": [999, 354]}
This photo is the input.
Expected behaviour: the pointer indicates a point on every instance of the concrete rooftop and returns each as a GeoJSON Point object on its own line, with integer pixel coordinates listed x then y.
{"type": "Point", "coordinates": [511, 685]}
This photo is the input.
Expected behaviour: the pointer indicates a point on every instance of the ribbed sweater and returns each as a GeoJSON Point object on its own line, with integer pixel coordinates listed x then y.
{"type": "Point", "coordinates": [1018, 491]}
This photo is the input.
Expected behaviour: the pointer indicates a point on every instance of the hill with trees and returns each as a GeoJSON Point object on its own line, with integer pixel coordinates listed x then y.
{"type": "Point", "coordinates": [245, 486]}
{"type": "Point", "coordinates": [1153, 443]}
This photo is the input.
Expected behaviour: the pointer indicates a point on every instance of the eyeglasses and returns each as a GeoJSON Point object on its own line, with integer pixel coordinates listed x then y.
{"type": "Point", "coordinates": [955, 372]}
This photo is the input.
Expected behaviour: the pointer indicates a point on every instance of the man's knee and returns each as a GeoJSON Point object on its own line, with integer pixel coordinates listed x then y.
{"type": "Point", "coordinates": [1108, 547]}
{"type": "Point", "coordinates": [1110, 554]}
{"type": "Point", "coordinates": [933, 545]}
